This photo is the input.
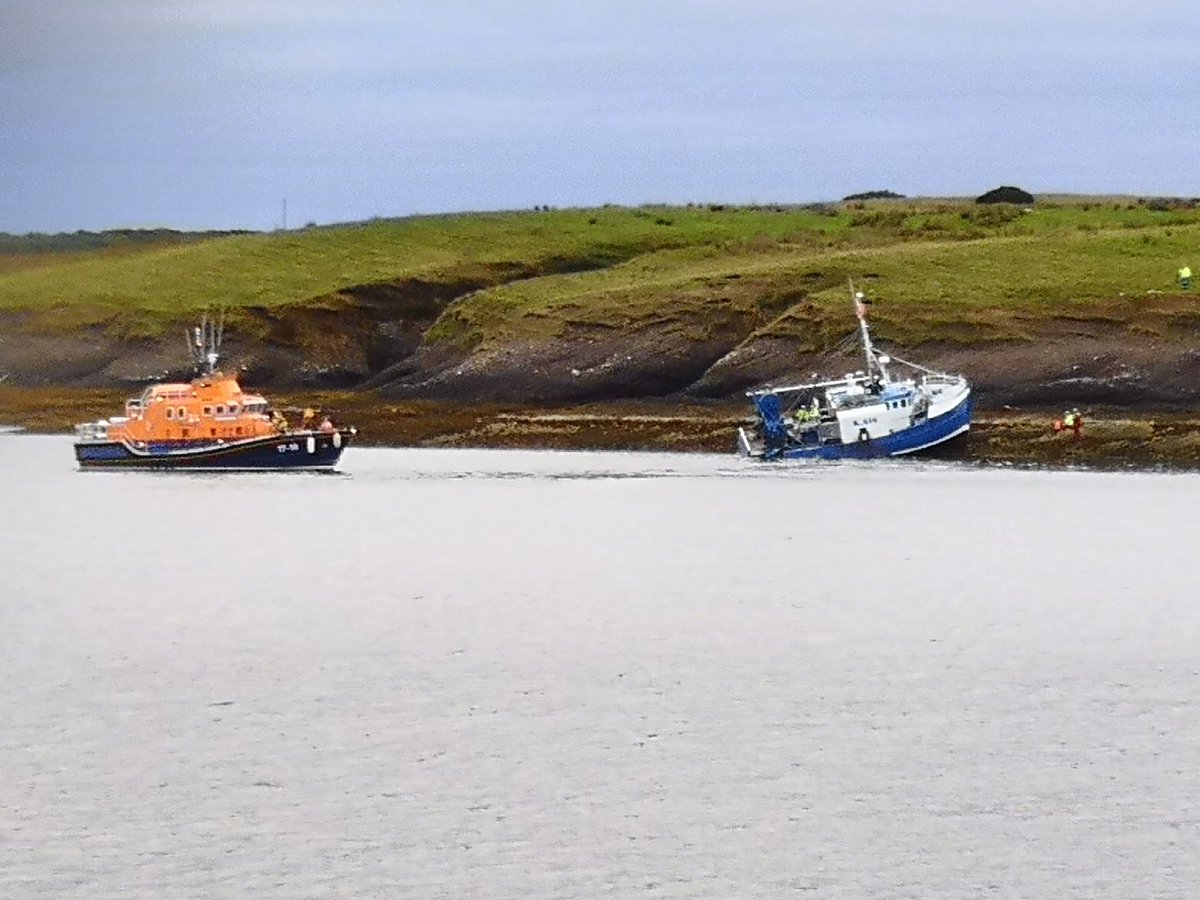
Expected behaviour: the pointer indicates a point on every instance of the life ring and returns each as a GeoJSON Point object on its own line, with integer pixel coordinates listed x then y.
{"type": "Point", "coordinates": [863, 435]}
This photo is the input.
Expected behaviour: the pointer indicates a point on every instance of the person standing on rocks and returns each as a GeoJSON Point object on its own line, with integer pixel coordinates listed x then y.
{"type": "Point", "coordinates": [1072, 420]}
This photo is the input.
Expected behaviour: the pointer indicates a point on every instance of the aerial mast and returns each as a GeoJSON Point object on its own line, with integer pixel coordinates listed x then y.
{"type": "Point", "coordinates": [204, 342]}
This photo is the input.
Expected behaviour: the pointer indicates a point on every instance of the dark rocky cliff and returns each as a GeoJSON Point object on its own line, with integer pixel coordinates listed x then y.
{"type": "Point", "coordinates": [376, 338]}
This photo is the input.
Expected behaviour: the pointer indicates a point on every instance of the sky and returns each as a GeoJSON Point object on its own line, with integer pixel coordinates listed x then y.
{"type": "Point", "coordinates": [219, 114]}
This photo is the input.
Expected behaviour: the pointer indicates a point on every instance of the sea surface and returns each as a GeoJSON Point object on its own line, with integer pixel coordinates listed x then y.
{"type": "Point", "coordinates": [503, 674]}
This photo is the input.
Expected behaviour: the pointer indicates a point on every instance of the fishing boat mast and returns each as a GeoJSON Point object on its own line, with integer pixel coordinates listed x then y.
{"type": "Point", "coordinates": [875, 361]}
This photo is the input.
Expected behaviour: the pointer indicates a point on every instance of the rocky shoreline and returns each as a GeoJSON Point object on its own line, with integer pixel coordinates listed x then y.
{"type": "Point", "coordinates": [1112, 438]}
{"type": "Point", "coordinates": [651, 389]}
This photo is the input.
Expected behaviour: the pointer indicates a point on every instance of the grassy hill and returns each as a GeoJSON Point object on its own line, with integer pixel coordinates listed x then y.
{"type": "Point", "coordinates": [948, 270]}
{"type": "Point", "coordinates": [593, 304]}
{"type": "Point", "coordinates": [300, 267]}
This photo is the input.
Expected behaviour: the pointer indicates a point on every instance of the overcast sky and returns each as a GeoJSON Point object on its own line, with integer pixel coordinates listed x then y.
{"type": "Point", "coordinates": [209, 113]}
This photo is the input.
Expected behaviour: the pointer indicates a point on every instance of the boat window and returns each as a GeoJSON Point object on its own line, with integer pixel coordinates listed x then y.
{"type": "Point", "coordinates": [233, 408]}
{"type": "Point", "coordinates": [181, 413]}
{"type": "Point", "coordinates": [208, 410]}
{"type": "Point", "coordinates": [170, 413]}
{"type": "Point", "coordinates": [239, 429]}
{"type": "Point", "coordinates": [212, 432]}
{"type": "Point", "coordinates": [221, 410]}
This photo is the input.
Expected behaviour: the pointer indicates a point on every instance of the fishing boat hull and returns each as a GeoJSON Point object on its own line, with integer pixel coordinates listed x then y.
{"type": "Point", "coordinates": [918, 438]}
{"type": "Point", "coordinates": [292, 451]}
{"type": "Point", "coordinates": [928, 434]}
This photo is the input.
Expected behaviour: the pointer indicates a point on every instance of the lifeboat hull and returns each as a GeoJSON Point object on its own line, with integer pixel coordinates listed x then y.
{"type": "Point", "coordinates": [294, 450]}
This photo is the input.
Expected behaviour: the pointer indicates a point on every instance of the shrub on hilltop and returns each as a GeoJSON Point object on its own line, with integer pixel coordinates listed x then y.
{"type": "Point", "coordinates": [874, 195]}
{"type": "Point", "coordinates": [1006, 194]}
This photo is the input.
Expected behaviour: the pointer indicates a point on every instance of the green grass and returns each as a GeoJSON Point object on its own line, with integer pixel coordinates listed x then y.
{"type": "Point", "coordinates": [147, 291]}
{"type": "Point", "coordinates": [939, 270]}
{"type": "Point", "coordinates": [960, 291]}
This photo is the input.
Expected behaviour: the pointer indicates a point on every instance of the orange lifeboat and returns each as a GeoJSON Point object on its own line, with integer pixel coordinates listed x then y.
{"type": "Point", "coordinates": [207, 423]}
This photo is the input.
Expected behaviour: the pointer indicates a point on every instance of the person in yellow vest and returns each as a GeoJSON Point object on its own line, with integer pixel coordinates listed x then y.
{"type": "Point", "coordinates": [1185, 277]}
{"type": "Point", "coordinates": [1072, 420]}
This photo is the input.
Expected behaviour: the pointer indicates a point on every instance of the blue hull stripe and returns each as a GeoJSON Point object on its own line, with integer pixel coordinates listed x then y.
{"type": "Point", "coordinates": [910, 440]}
{"type": "Point", "coordinates": [285, 451]}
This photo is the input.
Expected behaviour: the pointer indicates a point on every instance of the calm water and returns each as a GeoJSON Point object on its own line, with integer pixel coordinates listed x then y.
{"type": "Point", "coordinates": [516, 674]}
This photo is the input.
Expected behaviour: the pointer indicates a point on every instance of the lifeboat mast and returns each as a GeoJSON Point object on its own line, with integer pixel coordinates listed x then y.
{"type": "Point", "coordinates": [204, 343]}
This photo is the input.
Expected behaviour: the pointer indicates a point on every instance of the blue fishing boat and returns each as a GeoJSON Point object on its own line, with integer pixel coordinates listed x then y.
{"type": "Point", "coordinates": [863, 415]}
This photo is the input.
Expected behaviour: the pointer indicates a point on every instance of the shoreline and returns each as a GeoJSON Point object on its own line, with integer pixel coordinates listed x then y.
{"type": "Point", "coordinates": [1112, 438]}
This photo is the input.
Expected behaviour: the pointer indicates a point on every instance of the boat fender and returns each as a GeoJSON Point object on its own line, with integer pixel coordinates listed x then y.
{"type": "Point", "coordinates": [337, 439]}
{"type": "Point", "coordinates": [312, 444]}
{"type": "Point", "coordinates": [863, 435]}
